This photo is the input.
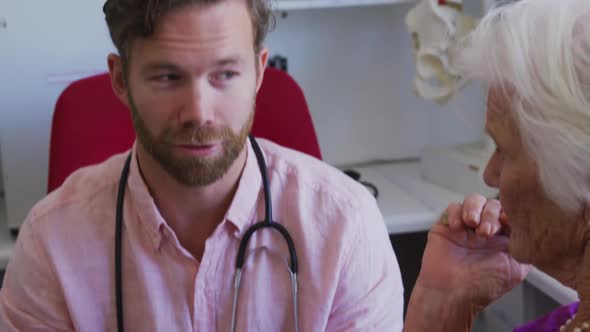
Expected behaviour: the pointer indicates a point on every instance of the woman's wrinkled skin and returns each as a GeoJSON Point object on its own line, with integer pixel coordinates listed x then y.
{"type": "Point", "coordinates": [480, 249]}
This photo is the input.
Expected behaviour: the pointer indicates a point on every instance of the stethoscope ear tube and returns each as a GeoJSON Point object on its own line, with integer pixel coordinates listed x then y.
{"type": "Point", "coordinates": [241, 257]}
{"type": "Point", "coordinates": [268, 221]}
{"type": "Point", "coordinates": [118, 244]}
{"type": "Point", "coordinates": [265, 181]}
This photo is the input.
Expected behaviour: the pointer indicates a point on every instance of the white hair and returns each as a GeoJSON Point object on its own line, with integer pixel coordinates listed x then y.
{"type": "Point", "coordinates": [540, 50]}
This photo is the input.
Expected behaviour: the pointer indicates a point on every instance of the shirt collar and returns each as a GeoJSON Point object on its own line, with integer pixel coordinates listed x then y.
{"type": "Point", "coordinates": [149, 215]}
{"type": "Point", "coordinates": [241, 212]}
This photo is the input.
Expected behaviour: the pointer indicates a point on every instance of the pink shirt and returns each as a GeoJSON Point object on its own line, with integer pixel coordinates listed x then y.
{"type": "Point", "coordinates": [61, 275]}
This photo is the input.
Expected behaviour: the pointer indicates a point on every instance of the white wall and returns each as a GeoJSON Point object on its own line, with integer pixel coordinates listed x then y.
{"type": "Point", "coordinates": [356, 68]}
{"type": "Point", "coordinates": [354, 65]}
{"type": "Point", "coordinates": [45, 44]}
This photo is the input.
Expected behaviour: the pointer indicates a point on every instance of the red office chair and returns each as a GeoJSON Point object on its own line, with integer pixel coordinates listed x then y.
{"type": "Point", "coordinates": [90, 124]}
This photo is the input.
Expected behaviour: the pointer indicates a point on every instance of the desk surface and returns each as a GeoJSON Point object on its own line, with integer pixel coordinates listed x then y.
{"type": "Point", "coordinates": [408, 203]}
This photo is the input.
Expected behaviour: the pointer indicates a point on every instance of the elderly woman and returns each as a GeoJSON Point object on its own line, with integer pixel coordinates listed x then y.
{"type": "Point", "coordinates": [535, 57]}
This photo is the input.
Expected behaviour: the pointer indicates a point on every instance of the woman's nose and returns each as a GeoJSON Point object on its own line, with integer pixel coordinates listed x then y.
{"type": "Point", "coordinates": [491, 175]}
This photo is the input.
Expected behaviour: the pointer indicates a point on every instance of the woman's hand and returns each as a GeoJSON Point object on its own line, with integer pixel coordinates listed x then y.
{"type": "Point", "coordinates": [465, 267]}
{"type": "Point", "coordinates": [467, 254]}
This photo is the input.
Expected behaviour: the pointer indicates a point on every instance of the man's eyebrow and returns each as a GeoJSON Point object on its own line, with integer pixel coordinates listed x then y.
{"type": "Point", "coordinates": [227, 61]}
{"type": "Point", "coordinates": [167, 66]}
{"type": "Point", "coordinates": [160, 66]}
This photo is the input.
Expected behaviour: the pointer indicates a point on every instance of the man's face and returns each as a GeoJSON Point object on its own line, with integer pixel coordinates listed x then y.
{"type": "Point", "coordinates": [191, 88]}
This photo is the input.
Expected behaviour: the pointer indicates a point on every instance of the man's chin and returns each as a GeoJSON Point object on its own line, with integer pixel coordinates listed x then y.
{"type": "Point", "coordinates": [198, 171]}
{"type": "Point", "coordinates": [196, 178]}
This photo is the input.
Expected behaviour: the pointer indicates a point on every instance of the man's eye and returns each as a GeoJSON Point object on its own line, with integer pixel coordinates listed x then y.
{"type": "Point", "coordinates": [166, 78]}
{"type": "Point", "coordinates": [224, 76]}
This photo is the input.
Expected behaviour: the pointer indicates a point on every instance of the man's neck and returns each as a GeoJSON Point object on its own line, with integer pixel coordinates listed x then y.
{"type": "Point", "coordinates": [190, 210]}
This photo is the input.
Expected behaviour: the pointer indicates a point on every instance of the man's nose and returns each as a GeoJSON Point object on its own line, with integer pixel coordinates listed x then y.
{"type": "Point", "coordinates": [197, 107]}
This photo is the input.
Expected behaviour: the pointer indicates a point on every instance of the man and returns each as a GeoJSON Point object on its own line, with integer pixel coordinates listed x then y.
{"type": "Point", "coordinates": [189, 72]}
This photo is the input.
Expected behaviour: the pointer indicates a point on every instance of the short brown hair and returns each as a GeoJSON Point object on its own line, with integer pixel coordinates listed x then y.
{"type": "Point", "coordinates": [128, 20]}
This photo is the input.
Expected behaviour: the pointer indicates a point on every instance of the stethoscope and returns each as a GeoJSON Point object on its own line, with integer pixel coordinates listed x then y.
{"type": "Point", "coordinates": [266, 223]}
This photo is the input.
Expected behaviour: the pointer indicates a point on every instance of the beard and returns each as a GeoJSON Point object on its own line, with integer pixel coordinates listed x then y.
{"type": "Point", "coordinates": [192, 171]}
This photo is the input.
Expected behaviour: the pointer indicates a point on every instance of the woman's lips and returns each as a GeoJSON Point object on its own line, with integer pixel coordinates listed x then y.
{"type": "Point", "coordinates": [506, 229]}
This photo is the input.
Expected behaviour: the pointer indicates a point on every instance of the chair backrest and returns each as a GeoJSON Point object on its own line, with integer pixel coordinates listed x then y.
{"type": "Point", "coordinates": [90, 124]}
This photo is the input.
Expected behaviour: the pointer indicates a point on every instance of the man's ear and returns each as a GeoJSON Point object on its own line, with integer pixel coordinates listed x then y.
{"type": "Point", "coordinates": [261, 62]}
{"type": "Point", "coordinates": [118, 80]}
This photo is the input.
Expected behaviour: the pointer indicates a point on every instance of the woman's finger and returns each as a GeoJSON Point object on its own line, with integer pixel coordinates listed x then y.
{"type": "Point", "coordinates": [472, 209]}
{"type": "Point", "coordinates": [490, 218]}
{"type": "Point", "coordinates": [454, 212]}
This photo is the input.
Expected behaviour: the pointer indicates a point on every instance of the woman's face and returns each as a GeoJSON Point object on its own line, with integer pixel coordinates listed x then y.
{"type": "Point", "coordinates": [541, 231]}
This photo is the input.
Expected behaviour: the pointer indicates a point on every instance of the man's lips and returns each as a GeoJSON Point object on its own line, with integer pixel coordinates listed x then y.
{"type": "Point", "coordinates": [198, 149]}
